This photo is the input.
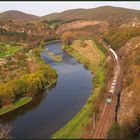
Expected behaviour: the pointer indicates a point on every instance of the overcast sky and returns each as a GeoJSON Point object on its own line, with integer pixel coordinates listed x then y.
{"type": "Point", "coordinates": [41, 8]}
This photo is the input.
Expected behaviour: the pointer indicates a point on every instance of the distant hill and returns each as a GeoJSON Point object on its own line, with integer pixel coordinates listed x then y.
{"type": "Point", "coordinates": [17, 15]}
{"type": "Point", "coordinates": [113, 15]}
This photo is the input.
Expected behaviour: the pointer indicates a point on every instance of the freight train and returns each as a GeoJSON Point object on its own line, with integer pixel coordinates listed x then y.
{"type": "Point", "coordinates": [114, 81]}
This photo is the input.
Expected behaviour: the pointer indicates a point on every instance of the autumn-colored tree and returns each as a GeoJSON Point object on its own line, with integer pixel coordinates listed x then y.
{"type": "Point", "coordinates": [117, 37]}
{"type": "Point", "coordinates": [42, 44]}
{"type": "Point", "coordinates": [37, 51]}
{"type": "Point", "coordinates": [5, 131]}
{"type": "Point", "coordinates": [28, 84]}
{"type": "Point", "coordinates": [67, 38]}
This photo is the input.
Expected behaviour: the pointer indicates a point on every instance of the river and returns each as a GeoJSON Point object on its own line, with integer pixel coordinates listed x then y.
{"type": "Point", "coordinates": [52, 109]}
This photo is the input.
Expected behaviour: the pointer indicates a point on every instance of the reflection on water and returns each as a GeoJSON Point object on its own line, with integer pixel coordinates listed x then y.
{"type": "Point", "coordinates": [11, 116]}
{"type": "Point", "coordinates": [52, 109]}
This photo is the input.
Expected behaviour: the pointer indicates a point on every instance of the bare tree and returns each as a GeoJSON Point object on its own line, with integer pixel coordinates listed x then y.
{"type": "Point", "coordinates": [5, 131]}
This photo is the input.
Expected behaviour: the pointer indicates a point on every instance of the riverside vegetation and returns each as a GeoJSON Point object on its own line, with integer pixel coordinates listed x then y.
{"type": "Point", "coordinates": [28, 77]}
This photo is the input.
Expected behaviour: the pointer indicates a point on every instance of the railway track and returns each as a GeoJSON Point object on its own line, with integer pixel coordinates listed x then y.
{"type": "Point", "coordinates": [108, 113]}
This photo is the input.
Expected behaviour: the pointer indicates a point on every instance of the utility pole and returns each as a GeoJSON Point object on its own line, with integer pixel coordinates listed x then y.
{"type": "Point", "coordinates": [94, 121]}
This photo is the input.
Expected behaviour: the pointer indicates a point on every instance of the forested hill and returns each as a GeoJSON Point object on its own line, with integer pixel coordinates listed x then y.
{"type": "Point", "coordinates": [114, 15]}
{"type": "Point", "coordinates": [16, 15]}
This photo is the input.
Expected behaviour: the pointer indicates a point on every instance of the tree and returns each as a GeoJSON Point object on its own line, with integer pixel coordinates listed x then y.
{"type": "Point", "coordinates": [82, 43]}
{"type": "Point", "coordinates": [67, 38]}
{"type": "Point", "coordinates": [5, 131]}
{"type": "Point", "coordinates": [42, 43]}
{"type": "Point", "coordinates": [115, 131]}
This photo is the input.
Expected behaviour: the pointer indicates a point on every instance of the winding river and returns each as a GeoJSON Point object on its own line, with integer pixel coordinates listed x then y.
{"type": "Point", "coordinates": [51, 110]}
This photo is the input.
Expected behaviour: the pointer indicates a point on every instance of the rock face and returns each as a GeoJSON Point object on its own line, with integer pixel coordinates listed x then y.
{"type": "Point", "coordinates": [82, 23]}
{"type": "Point", "coordinates": [130, 95]}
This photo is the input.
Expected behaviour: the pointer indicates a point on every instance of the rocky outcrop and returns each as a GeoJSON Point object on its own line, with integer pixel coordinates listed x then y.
{"type": "Point", "coordinates": [129, 110]}
{"type": "Point", "coordinates": [80, 24]}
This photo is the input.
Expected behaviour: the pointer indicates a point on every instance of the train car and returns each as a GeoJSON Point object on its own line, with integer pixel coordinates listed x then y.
{"type": "Point", "coordinates": [114, 83]}
{"type": "Point", "coordinates": [110, 95]}
{"type": "Point", "coordinates": [116, 72]}
{"type": "Point", "coordinates": [109, 99]}
{"type": "Point", "coordinates": [115, 55]}
{"type": "Point", "coordinates": [112, 89]}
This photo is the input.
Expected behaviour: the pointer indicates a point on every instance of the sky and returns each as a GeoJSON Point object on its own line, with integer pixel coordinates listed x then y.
{"type": "Point", "coordinates": [41, 8]}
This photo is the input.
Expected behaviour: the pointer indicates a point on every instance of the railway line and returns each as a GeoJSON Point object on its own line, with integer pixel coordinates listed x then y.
{"type": "Point", "coordinates": [108, 112]}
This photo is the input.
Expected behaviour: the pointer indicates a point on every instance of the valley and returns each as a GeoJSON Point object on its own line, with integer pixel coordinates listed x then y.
{"type": "Point", "coordinates": [71, 74]}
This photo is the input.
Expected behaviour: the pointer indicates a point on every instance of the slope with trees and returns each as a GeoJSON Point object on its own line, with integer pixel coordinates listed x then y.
{"type": "Point", "coordinates": [115, 16]}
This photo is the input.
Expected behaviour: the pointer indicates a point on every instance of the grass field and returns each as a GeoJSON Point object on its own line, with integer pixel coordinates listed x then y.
{"type": "Point", "coordinates": [8, 49]}
{"type": "Point", "coordinates": [76, 127]}
{"type": "Point", "coordinates": [17, 104]}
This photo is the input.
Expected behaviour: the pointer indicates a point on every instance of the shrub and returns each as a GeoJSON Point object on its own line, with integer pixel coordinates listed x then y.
{"type": "Point", "coordinates": [115, 131]}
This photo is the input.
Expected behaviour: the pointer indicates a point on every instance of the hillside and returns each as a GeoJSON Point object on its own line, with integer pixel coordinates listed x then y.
{"type": "Point", "coordinates": [113, 15]}
{"type": "Point", "coordinates": [16, 15]}
{"type": "Point", "coordinates": [126, 42]}
{"type": "Point", "coordinates": [89, 26]}
{"type": "Point", "coordinates": [129, 112]}
{"type": "Point", "coordinates": [119, 36]}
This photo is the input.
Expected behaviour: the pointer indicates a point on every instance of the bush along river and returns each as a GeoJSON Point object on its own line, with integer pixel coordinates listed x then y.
{"type": "Point", "coordinates": [52, 109]}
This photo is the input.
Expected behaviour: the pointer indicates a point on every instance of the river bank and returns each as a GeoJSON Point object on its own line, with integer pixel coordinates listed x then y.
{"type": "Point", "coordinates": [77, 126]}
{"type": "Point", "coordinates": [53, 41]}
{"type": "Point", "coordinates": [16, 105]}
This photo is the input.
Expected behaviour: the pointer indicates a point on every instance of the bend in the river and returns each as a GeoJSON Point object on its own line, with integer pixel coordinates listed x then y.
{"type": "Point", "coordinates": [51, 110]}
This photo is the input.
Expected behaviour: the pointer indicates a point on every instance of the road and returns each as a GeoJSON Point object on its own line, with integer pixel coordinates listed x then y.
{"type": "Point", "coordinates": [108, 112]}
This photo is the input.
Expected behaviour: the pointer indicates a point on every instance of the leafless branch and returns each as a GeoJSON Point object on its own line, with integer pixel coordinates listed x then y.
{"type": "Point", "coordinates": [5, 131]}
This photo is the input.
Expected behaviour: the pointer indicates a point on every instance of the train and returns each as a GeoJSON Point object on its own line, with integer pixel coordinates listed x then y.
{"type": "Point", "coordinates": [114, 81]}
{"type": "Point", "coordinates": [112, 88]}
